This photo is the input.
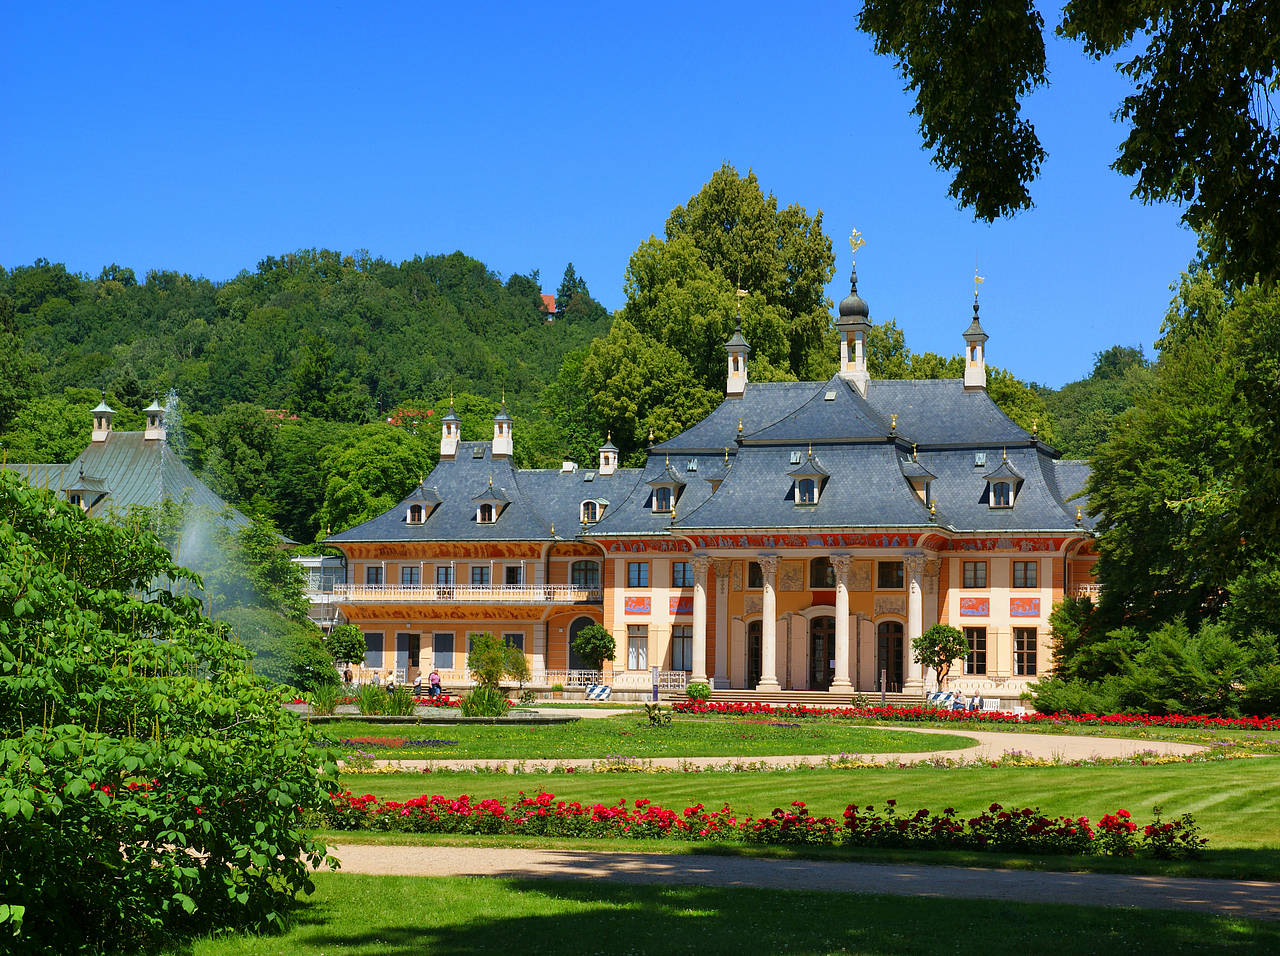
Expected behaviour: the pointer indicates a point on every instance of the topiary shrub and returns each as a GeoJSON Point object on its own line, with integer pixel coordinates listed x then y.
{"type": "Point", "coordinates": [151, 786]}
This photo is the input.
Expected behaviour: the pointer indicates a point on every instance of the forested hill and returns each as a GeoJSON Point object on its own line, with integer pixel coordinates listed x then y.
{"type": "Point", "coordinates": [316, 332]}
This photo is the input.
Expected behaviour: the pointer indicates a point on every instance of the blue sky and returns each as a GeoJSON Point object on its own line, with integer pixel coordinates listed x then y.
{"type": "Point", "coordinates": [202, 137]}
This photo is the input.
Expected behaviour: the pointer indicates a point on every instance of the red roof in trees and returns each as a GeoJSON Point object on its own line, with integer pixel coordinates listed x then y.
{"type": "Point", "coordinates": [548, 303]}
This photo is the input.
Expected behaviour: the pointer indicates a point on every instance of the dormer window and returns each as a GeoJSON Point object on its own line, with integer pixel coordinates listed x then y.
{"type": "Point", "coordinates": [1001, 494]}
{"type": "Point", "coordinates": [666, 487]}
{"type": "Point", "coordinates": [415, 514]}
{"type": "Point", "coordinates": [489, 504]}
{"type": "Point", "coordinates": [662, 500]}
{"type": "Point", "coordinates": [808, 477]}
{"type": "Point", "coordinates": [590, 512]}
{"type": "Point", "coordinates": [485, 514]}
{"type": "Point", "coordinates": [1002, 485]}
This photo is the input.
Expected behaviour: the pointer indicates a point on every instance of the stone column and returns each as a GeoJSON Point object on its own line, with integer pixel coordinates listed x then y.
{"type": "Point", "coordinates": [769, 625]}
{"type": "Point", "coordinates": [913, 679]}
{"type": "Point", "coordinates": [842, 564]}
{"type": "Point", "coordinates": [701, 564]}
{"type": "Point", "coordinates": [723, 569]}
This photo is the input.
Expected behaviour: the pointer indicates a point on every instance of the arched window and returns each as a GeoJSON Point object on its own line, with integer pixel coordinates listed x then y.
{"type": "Point", "coordinates": [821, 573]}
{"type": "Point", "coordinates": [584, 574]}
{"type": "Point", "coordinates": [662, 499]}
{"type": "Point", "coordinates": [806, 492]}
{"type": "Point", "coordinates": [485, 514]}
{"type": "Point", "coordinates": [590, 512]}
{"type": "Point", "coordinates": [1001, 495]}
{"type": "Point", "coordinates": [415, 514]}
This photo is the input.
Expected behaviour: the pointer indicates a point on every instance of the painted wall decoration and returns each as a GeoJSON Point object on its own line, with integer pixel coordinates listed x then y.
{"type": "Point", "coordinates": [638, 547]}
{"type": "Point", "coordinates": [975, 607]}
{"type": "Point", "coordinates": [753, 603]}
{"type": "Point", "coordinates": [682, 604]}
{"type": "Point", "coordinates": [736, 583]}
{"type": "Point", "coordinates": [882, 540]}
{"type": "Point", "coordinates": [1023, 607]}
{"type": "Point", "coordinates": [889, 604]}
{"type": "Point", "coordinates": [1007, 544]}
{"type": "Point", "coordinates": [792, 576]}
{"type": "Point", "coordinates": [860, 576]}
{"type": "Point", "coordinates": [635, 605]}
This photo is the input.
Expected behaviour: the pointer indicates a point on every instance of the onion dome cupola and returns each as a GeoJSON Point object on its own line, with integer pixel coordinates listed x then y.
{"type": "Point", "coordinates": [102, 416]}
{"type": "Point", "coordinates": [451, 432]}
{"type": "Point", "coordinates": [155, 430]}
{"type": "Point", "coordinates": [975, 347]}
{"type": "Point", "coordinates": [608, 457]}
{"type": "Point", "coordinates": [853, 325]}
{"type": "Point", "coordinates": [738, 351]}
{"type": "Point", "coordinates": [502, 442]}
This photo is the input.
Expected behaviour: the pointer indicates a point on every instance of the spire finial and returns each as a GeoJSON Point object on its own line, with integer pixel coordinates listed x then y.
{"type": "Point", "coordinates": [667, 461]}
{"type": "Point", "coordinates": [726, 456]}
{"type": "Point", "coordinates": [451, 398]}
{"type": "Point", "coordinates": [893, 422]}
{"type": "Point", "coordinates": [1004, 454]}
{"type": "Point", "coordinates": [1079, 516]}
{"type": "Point", "coordinates": [810, 449]}
{"type": "Point", "coordinates": [856, 242]}
{"type": "Point", "coordinates": [933, 511]}
{"type": "Point", "coordinates": [491, 481]}
{"type": "Point", "coordinates": [1035, 427]}
{"type": "Point", "coordinates": [914, 446]}
{"type": "Point", "coordinates": [650, 434]}
{"type": "Point", "coordinates": [739, 426]}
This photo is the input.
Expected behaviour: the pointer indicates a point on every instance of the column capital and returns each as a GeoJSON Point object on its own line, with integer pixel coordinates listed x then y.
{"type": "Point", "coordinates": [914, 563]}
{"type": "Point", "coordinates": [723, 570]}
{"type": "Point", "coordinates": [932, 567]}
{"type": "Point", "coordinates": [842, 563]}
{"type": "Point", "coordinates": [768, 564]}
{"type": "Point", "coordinates": [701, 564]}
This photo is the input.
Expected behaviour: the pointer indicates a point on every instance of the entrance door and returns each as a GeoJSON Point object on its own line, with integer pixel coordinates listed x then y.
{"type": "Point", "coordinates": [889, 654]}
{"type": "Point", "coordinates": [576, 663]}
{"type": "Point", "coordinates": [405, 645]}
{"type": "Point", "coordinates": [754, 633]}
{"type": "Point", "coordinates": [822, 652]}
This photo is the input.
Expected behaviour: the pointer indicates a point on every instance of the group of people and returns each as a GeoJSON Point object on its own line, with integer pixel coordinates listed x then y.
{"type": "Point", "coordinates": [389, 682]}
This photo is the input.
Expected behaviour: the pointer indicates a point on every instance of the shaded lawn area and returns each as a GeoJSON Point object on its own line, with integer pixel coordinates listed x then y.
{"type": "Point", "coordinates": [629, 736]}
{"type": "Point", "coordinates": [1236, 803]}
{"type": "Point", "coordinates": [406, 916]}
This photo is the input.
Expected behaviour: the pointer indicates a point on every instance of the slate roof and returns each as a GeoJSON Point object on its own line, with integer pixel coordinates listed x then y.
{"type": "Point", "coordinates": [1067, 479]}
{"type": "Point", "coordinates": [851, 441]}
{"type": "Point", "coordinates": [125, 471]}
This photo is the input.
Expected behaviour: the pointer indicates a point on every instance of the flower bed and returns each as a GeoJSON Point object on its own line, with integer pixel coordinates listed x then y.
{"type": "Point", "coordinates": [394, 742]}
{"type": "Point", "coordinates": [932, 714]}
{"type": "Point", "coordinates": [995, 829]}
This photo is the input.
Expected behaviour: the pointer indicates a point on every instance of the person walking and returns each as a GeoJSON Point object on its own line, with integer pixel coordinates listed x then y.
{"type": "Point", "coordinates": [391, 682]}
{"type": "Point", "coordinates": [417, 685]}
{"type": "Point", "coordinates": [434, 681]}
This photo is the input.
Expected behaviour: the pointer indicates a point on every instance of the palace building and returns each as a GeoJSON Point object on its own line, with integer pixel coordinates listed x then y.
{"type": "Point", "coordinates": [797, 538]}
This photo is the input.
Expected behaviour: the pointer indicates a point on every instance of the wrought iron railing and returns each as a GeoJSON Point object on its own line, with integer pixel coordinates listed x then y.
{"type": "Point", "coordinates": [469, 594]}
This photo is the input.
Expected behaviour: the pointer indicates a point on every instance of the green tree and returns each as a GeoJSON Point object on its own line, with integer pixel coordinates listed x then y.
{"type": "Point", "coordinates": [346, 643]}
{"type": "Point", "coordinates": [240, 455]}
{"type": "Point", "coordinates": [366, 477]}
{"type": "Point", "coordinates": [150, 784]}
{"type": "Point", "coordinates": [594, 645]}
{"type": "Point", "coordinates": [1086, 411]}
{"type": "Point", "coordinates": [570, 285]}
{"type": "Point", "coordinates": [1201, 117]}
{"type": "Point", "coordinates": [730, 236]}
{"type": "Point", "coordinates": [939, 647]}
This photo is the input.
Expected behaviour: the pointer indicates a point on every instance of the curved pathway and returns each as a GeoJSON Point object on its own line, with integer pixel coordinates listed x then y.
{"type": "Point", "coordinates": [1239, 898]}
{"type": "Point", "coordinates": [991, 745]}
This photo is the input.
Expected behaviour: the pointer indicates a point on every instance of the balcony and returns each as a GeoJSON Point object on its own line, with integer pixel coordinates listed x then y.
{"type": "Point", "coordinates": [468, 594]}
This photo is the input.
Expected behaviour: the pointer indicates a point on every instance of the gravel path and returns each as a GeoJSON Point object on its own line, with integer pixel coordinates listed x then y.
{"type": "Point", "coordinates": [1246, 899]}
{"type": "Point", "coordinates": [991, 745]}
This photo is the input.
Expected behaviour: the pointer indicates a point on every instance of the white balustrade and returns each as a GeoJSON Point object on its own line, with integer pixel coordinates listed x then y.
{"type": "Point", "coordinates": [469, 594]}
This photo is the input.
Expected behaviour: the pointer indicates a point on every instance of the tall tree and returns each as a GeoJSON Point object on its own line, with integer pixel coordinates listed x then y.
{"type": "Point", "coordinates": [1202, 116]}
{"type": "Point", "coordinates": [729, 236]}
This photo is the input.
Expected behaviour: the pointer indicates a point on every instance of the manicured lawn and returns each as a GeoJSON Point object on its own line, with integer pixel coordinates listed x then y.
{"type": "Point", "coordinates": [1237, 803]}
{"type": "Point", "coordinates": [400, 916]}
{"type": "Point", "coordinates": [629, 736]}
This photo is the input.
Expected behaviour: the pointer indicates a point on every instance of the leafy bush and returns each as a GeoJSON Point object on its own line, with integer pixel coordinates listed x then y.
{"type": "Point", "coordinates": [484, 702]}
{"type": "Point", "coordinates": [324, 699]}
{"type": "Point", "coordinates": [346, 643]}
{"type": "Point", "coordinates": [938, 647]}
{"type": "Point", "coordinates": [371, 700]}
{"type": "Point", "coordinates": [594, 645]}
{"type": "Point", "coordinates": [400, 702]}
{"type": "Point", "coordinates": [285, 650]}
{"type": "Point", "coordinates": [151, 786]}
{"type": "Point", "coordinates": [1052, 695]}
{"type": "Point", "coordinates": [698, 691]}
{"type": "Point", "coordinates": [491, 659]}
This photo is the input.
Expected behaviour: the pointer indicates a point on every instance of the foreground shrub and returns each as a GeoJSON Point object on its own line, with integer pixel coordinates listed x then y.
{"type": "Point", "coordinates": [485, 702]}
{"type": "Point", "coordinates": [931, 714]}
{"type": "Point", "coordinates": [371, 699]}
{"type": "Point", "coordinates": [150, 785]}
{"type": "Point", "coordinates": [698, 691]}
{"type": "Point", "coordinates": [324, 698]}
{"type": "Point", "coordinates": [400, 702]}
{"type": "Point", "coordinates": [995, 829]}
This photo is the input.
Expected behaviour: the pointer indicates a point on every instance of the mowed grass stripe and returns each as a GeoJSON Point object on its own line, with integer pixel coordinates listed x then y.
{"type": "Point", "coordinates": [627, 736]}
{"type": "Point", "coordinates": [365, 915]}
